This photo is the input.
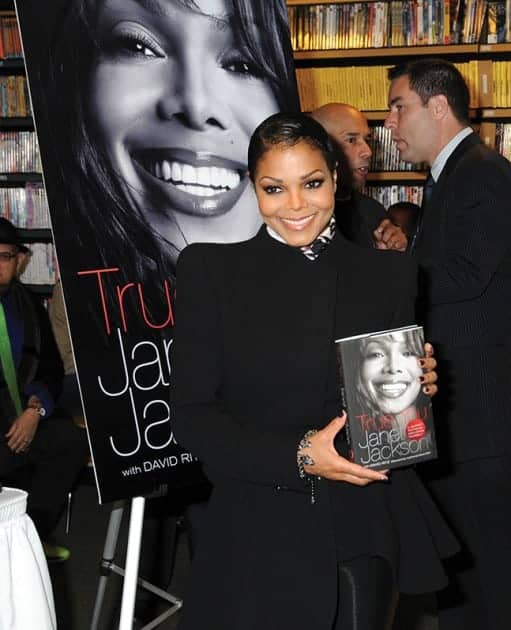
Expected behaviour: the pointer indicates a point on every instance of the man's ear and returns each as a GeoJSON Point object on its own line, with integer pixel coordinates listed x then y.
{"type": "Point", "coordinates": [439, 106]}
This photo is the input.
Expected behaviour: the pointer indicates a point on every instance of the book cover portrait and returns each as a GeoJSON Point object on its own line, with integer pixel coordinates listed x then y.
{"type": "Point", "coordinates": [390, 420]}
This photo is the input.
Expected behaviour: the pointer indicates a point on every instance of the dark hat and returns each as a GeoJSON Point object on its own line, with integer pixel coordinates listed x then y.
{"type": "Point", "coordinates": [9, 235]}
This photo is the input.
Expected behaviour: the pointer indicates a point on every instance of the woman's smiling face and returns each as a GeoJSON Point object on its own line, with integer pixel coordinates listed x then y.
{"type": "Point", "coordinates": [390, 373]}
{"type": "Point", "coordinates": [174, 101]}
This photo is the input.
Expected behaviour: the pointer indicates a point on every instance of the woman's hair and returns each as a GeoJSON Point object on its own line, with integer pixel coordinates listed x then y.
{"type": "Point", "coordinates": [363, 399]}
{"type": "Point", "coordinates": [108, 227]}
{"type": "Point", "coordinates": [288, 129]}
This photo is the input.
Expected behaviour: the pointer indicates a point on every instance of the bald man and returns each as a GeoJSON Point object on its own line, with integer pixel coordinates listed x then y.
{"type": "Point", "coordinates": [360, 218]}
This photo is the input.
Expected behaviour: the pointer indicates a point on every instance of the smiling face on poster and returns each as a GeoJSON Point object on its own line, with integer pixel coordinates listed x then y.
{"type": "Point", "coordinates": [174, 96]}
{"type": "Point", "coordinates": [144, 110]}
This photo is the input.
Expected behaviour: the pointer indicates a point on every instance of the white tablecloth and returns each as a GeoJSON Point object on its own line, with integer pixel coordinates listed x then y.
{"type": "Point", "coordinates": [26, 598]}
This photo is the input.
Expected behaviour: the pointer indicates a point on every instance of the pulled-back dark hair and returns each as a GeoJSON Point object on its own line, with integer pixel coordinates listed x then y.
{"type": "Point", "coordinates": [288, 129]}
{"type": "Point", "coordinates": [430, 77]}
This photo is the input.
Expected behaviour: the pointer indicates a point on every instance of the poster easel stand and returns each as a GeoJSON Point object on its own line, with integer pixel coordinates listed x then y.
{"type": "Point", "coordinates": [130, 574]}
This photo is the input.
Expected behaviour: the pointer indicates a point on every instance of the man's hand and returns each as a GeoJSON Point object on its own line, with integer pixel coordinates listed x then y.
{"type": "Point", "coordinates": [22, 431]}
{"type": "Point", "coordinates": [390, 236]}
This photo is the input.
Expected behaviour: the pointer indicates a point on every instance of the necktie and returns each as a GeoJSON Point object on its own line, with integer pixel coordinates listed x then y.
{"type": "Point", "coordinates": [427, 192]}
{"type": "Point", "coordinates": [8, 363]}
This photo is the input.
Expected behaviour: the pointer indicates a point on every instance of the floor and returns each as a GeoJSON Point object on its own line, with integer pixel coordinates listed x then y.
{"type": "Point", "coordinates": [75, 581]}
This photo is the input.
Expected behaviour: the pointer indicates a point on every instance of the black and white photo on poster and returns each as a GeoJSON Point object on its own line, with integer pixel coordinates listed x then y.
{"type": "Point", "coordinates": [144, 110]}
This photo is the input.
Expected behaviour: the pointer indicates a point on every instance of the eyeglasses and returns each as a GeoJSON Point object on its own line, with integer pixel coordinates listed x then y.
{"type": "Point", "coordinates": [7, 256]}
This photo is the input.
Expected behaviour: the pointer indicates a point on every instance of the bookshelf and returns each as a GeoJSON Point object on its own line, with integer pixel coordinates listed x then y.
{"type": "Point", "coordinates": [22, 196]}
{"type": "Point", "coordinates": [343, 48]}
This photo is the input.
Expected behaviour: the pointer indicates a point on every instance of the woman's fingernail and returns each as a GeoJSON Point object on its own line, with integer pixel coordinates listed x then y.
{"type": "Point", "coordinates": [422, 362]}
{"type": "Point", "coordinates": [426, 389]}
{"type": "Point", "coordinates": [422, 378]}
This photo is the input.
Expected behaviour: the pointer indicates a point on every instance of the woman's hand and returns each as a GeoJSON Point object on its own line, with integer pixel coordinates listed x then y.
{"type": "Point", "coordinates": [330, 465]}
{"type": "Point", "coordinates": [429, 376]}
{"type": "Point", "coordinates": [22, 430]}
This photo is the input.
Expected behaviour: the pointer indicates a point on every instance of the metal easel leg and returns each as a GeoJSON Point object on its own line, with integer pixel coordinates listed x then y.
{"type": "Point", "coordinates": [107, 560]}
{"type": "Point", "coordinates": [107, 567]}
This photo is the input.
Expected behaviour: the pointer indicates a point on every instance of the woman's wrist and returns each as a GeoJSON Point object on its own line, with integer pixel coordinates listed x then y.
{"type": "Point", "coordinates": [304, 459]}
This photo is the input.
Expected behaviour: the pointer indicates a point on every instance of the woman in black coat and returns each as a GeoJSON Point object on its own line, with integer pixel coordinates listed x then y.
{"type": "Point", "coordinates": [296, 535]}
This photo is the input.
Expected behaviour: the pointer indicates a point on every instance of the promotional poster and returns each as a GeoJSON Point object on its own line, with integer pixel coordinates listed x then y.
{"type": "Point", "coordinates": [390, 419]}
{"type": "Point", "coordinates": [143, 111]}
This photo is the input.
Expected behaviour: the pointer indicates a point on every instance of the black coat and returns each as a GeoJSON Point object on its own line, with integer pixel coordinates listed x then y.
{"type": "Point", "coordinates": [254, 368]}
{"type": "Point", "coordinates": [464, 249]}
{"type": "Point", "coordinates": [357, 216]}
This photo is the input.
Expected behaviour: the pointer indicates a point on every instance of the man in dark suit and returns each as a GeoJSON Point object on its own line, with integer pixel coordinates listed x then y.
{"type": "Point", "coordinates": [464, 251]}
{"type": "Point", "coordinates": [360, 218]}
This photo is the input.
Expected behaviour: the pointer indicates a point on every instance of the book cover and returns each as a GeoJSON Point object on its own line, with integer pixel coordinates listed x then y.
{"type": "Point", "coordinates": [390, 420]}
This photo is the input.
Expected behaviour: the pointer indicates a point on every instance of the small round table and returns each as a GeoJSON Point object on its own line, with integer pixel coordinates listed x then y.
{"type": "Point", "coordinates": [26, 597]}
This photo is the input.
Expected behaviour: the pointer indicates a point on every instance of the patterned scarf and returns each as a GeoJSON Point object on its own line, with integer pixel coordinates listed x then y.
{"type": "Point", "coordinates": [321, 242]}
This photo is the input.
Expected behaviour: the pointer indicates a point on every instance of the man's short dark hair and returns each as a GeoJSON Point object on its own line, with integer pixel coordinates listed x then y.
{"type": "Point", "coordinates": [430, 77]}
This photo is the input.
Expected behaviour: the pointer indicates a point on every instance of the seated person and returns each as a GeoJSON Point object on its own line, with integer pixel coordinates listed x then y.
{"type": "Point", "coordinates": [70, 396]}
{"type": "Point", "coordinates": [41, 451]}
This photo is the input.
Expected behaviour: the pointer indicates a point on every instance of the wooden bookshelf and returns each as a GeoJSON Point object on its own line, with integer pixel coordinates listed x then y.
{"type": "Point", "coordinates": [20, 178]}
{"type": "Point", "coordinates": [494, 49]}
{"type": "Point", "coordinates": [493, 113]}
{"type": "Point", "coordinates": [17, 122]}
{"type": "Point", "coordinates": [304, 2]}
{"type": "Point", "coordinates": [36, 235]}
{"type": "Point", "coordinates": [401, 51]}
{"type": "Point", "coordinates": [401, 177]}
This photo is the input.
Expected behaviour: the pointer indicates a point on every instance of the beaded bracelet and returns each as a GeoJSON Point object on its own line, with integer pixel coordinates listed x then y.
{"type": "Point", "coordinates": [306, 460]}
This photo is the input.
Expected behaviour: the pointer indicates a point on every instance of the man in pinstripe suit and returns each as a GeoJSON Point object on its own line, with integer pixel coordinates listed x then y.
{"type": "Point", "coordinates": [464, 249]}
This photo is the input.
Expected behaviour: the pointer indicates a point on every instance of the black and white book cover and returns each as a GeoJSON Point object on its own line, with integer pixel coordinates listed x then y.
{"type": "Point", "coordinates": [390, 420]}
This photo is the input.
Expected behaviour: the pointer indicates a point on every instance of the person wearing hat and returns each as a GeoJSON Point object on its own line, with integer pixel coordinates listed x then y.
{"type": "Point", "coordinates": [41, 450]}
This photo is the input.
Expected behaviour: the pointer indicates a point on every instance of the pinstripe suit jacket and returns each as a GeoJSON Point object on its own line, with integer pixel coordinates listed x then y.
{"type": "Point", "coordinates": [464, 250]}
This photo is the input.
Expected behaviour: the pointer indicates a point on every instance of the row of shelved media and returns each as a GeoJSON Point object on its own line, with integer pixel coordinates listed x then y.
{"type": "Point", "coordinates": [42, 264]}
{"type": "Point", "coordinates": [25, 207]}
{"type": "Point", "coordinates": [502, 141]}
{"type": "Point", "coordinates": [19, 152]}
{"type": "Point", "coordinates": [388, 195]}
{"type": "Point", "coordinates": [14, 97]}
{"type": "Point", "coordinates": [10, 41]}
{"type": "Point", "coordinates": [366, 87]}
{"type": "Point", "coordinates": [385, 155]}
{"type": "Point", "coordinates": [399, 23]}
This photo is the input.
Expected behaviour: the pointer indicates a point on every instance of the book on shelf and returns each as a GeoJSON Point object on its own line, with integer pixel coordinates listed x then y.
{"type": "Point", "coordinates": [385, 155]}
{"type": "Point", "coordinates": [388, 195]}
{"type": "Point", "coordinates": [19, 152]}
{"type": "Point", "coordinates": [364, 87]}
{"type": "Point", "coordinates": [503, 139]}
{"type": "Point", "coordinates": [13, 97]}
{"type": "Point", "coordinates": [390, 419]}
{"type": "Point", "coordinates": [376, 24]}
{"type": "Point", "coordinates": [42, 265]}
{"type": "Point", "coordinates": [26, 206]}
{"type": "Point", "coordinates": [10, 46]}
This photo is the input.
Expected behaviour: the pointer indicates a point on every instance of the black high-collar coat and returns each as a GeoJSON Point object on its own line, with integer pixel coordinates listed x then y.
{"type": "Point", "coordinates": [253, 368]}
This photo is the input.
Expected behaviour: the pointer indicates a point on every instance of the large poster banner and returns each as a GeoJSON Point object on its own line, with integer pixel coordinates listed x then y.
{"type": "Point", "coordinates": [144, 110]}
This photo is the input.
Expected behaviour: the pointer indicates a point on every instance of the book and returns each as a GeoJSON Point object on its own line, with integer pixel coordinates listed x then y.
{"type": "Point", "coordinates": [390, 419]}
